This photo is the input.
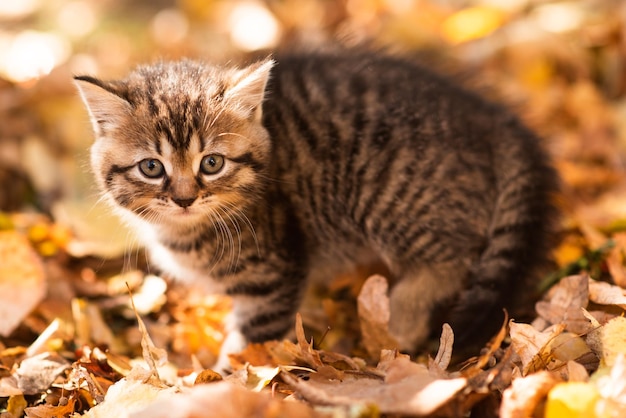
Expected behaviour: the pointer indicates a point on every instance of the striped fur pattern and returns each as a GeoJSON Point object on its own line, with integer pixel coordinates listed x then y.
{"type": "Point", "coordinates": [253, 181]}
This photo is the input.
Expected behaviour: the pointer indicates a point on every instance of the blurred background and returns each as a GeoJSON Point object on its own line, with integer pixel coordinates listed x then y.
{"type": "Point", "coordinates": [560, 64]}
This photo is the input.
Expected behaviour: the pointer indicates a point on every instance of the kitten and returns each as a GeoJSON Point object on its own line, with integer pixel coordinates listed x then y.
{"type": "Point", "coordinates": [254, 181]}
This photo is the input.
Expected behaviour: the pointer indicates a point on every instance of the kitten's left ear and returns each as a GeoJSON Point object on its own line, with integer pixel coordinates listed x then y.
{"type": "Point", "coordinates": [248, 89]}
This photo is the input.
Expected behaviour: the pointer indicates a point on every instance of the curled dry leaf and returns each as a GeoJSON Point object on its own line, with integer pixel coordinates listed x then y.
{"type": "Point", "coordinates": [22, 280]}
{"type": "Point", "coordinates": [374, 314]}
{"type": "Point", "coordinates": [153, 355]}
{"type": "Point", "coordinates": [444, 354]}
{"type": "Point", "coordinates": [525, 393]}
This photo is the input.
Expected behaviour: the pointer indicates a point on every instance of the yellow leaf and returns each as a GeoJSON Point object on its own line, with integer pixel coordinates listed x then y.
{"type": "Point", "coordinates": [572, 400]}
{"type": "Point", "coordinates": [472, 23]}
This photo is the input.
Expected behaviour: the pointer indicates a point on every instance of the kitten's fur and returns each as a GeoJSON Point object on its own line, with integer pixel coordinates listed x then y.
{"type": "Point", "coordinates": [329, 159]}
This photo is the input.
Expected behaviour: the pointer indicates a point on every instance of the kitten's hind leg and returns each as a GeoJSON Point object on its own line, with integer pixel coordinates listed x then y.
{"type": "Point", "coordinates": [414, 298]}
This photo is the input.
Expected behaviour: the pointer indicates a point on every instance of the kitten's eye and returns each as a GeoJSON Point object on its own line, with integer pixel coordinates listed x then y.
{"type": "Point", "coordinates": [211, 164]}
{"type": "Point", "coordinates": [151, 168]}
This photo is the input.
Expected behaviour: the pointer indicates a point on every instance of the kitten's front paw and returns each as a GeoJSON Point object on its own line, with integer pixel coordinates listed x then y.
{"type": "Point", "coordinates": [233, 343]}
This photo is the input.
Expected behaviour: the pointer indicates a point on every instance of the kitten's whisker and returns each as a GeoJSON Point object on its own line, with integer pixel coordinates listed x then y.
{"type": "Point", "coordinates": [231, 240]}
{"type": "Point", "coordinates": [234, 134]}
{"type": "Point", "coordinates": [240, 214]}
{"type": "Point", "coordinates": [219, 113]}
{"type": "Point", "coordinates": [233, 221]}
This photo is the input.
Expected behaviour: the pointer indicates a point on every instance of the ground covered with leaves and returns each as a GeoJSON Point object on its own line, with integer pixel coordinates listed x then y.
{"type": "Point", "coordinates": [86, 329]}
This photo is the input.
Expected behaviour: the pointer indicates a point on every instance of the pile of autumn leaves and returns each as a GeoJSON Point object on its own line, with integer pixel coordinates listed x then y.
{"type": "Point", "coordinates": [570, 362]}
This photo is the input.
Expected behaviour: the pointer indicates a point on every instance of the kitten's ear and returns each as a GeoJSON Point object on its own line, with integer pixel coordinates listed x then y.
{"type": "Point", "coordinates": [248, 89]}
{"type": "Point", "coordinates": [103, 101]}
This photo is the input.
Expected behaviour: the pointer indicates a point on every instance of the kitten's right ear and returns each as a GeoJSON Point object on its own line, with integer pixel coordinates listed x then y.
{"type": "Point", "coordinates": [104, 104]}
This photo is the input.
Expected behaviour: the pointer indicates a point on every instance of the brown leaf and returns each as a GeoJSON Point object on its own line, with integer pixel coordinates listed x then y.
{"type": "Point", "coordinates": [36, 374]}
{"type": "Point", "coordinates": [604, 293]}
{"type": "Point", "coordinates": [528, 343]}
{"type": "Point", "coordinates": [131, 394]}
{"type": "Point", "coordinates": [565, 303]}
{"type": "Point", "coordinates": [408, 388]}
{"type": "Point", "coordinates": [153, 355]}
{"type": "Point", "coordinates": [525, 394]}
{"type": "Point", "coordinates": [52, 411]}
{"type": "Point", "coordinates": [22, 280]}
{"type": "Point", "coordinates": [576, 372]}
{"type": "Point", "coordinates": [442, 360]}
{"type": "Point", "coordinates": [616, 258]}
{"type": "Point", "coordinates": [374, 313]}
{"type": "Point", "coordinates": [224, 400]}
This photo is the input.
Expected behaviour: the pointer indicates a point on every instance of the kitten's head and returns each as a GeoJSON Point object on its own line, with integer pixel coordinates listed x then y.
{"type": "Point", "coordinates": [177, 142]}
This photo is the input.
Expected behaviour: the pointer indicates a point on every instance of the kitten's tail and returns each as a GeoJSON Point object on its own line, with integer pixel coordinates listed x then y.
{"type": "Point", "coordinates": [520, 236]}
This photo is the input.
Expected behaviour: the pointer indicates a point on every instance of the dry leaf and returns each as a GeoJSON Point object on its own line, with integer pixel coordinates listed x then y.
{"type": "Point", "coordinates": [529, 344]}
{"type": "Point", "coordinates": [374, 313]}
{"type": "Point", "coordinates": [22, 280]}
{"type": "Point", "coordinates": [565, 303]}
{"type": "Point", "coordinates": [408, 388]}
{"type": "Point", "coordinates": [8, 387]}
{"type": "Point", "coordinates": [36, 374]}
{"type": "Point", "coordinates": [444, 353]}
{"type": "Point", "coordinates": [525, 394]}
{"type": "Point", "coordinates": [254, 378]}
{"type": "Point", "coordinates": [52, 411]}
{"type": "Point", "coordinates": [613, 343]}
{"type": "Point", "coordinates": [612, 388]}
{"type": "Point", "coordinates": [615, 259]}
{"type": "Point", "coordinates": [572, 400]}
{"type": "Point", "coordinates": [153, 355]}
{"type": "Point", "coordinates": [576, 372]}
{"type": "Point", "coordinates": [223, 400]}
{"type": "Point", "coordinates": [604, 293]}
{"type": "Point", "coordinates": [127, 396]}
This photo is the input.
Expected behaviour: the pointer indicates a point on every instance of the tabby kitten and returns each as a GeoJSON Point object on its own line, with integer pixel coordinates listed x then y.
{"type": "Point", "coordinates": [254, 181]}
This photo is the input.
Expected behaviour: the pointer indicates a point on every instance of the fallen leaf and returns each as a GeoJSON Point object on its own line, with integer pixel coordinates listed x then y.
{"type": "Point", "coordinates": [16, 405]}
{"type": "Point", "coordinates": [129, 395]}
{"type": "Point", "coordinates": [153, 355]}
{"type": "Point", "coordinates": [444, 354]}
{"type": "Point", "coordinates": [604, 293]}
{"type": "Point", "coordinates": [613, 343]}
{"type": "Point", "coordinates": [22, 280]}
{"type": "Point", "coordinates": [224, 400]}
{"type": "Point", "coordinates": [207, 376]}
{"type": "Point", "coordinates": [525, 394]}
{"type": "Point", "coordinates": [572, 400]}
{"type": "Point", "coordinates": [616, 258]}
{"type": "Point", "coordinates": [529, 344]}
{"type": "Point", "coordinates": [408, 388]}
{"type": "Point", "coordinates": [36, 374]}
{"type": "Point", "coordinates": [565, 302]}
{"type": "Point", "coordinates": [612, 388]}
{"type": "Point", "coordinates": [576, 372]}
{"type": "Point", "coordinates": [254, 378]}
{"type": "Point", "coordinates": [52, 411]}
{"type": "Point", "coordinates": [374, 314]}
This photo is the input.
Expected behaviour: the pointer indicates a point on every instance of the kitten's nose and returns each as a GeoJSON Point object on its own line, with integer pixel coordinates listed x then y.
{"type": "Point", "coordinates": [184, 203]}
